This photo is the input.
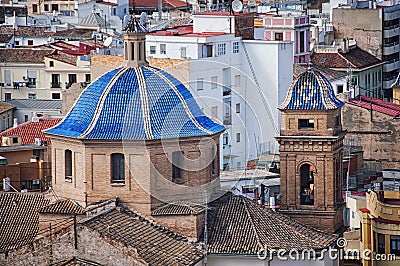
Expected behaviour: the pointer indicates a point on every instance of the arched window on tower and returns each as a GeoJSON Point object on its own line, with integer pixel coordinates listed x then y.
{"type": "Point", "coordinates": [68, 164]}
{"type": "Point", "coordinates": [117, 168]}
{"type": "Point", "coordinates": [177, 160]}
{"type": "Point", "coordinates": [307, 185]}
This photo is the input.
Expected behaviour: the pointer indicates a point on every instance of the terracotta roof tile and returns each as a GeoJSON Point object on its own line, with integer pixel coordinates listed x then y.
{"type": "Point", "coordinates": [240, 226]}
{"type": "Point", "coordinates": [63, 57]}
{"type": "Point", "coordinates": [178, 209]}
{"type": "Point", "coordinates": [377, 105]}
{"type": "Point", "coordinates": [5, 107]}
{"type": "Point", "coordinates": [327, 72]}
{"type": "Point", "coordinates": [63, 206]}
{"type": "Point", "coordinates": [5, 38]}
{"type": "Point", "coordinates": [28, 131]}
{"type": "Point", "coordinates": [26, 31]}
{"type": "Point", "coordinates": [155, 244]}
{"type": "Point", "coordinates": [74, 34]}
{"type": "Point", "coordinates": [25, 55]}
{"type": "Point", "coordinates": [356, 57]}
{"type": "Point", "coordinates": [19, 219]}
{"type": "Point", "coordinates": [74, 261]}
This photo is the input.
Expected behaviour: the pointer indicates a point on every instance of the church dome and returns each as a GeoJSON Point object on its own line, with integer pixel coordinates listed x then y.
{"type": "Point", "coordinates": [311, 91]}
{"type": "Point", "coordinates": [142, 103]}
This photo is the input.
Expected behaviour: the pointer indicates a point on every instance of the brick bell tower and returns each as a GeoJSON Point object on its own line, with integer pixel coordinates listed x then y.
{"type": "Point", "coordinates": [311, 145]}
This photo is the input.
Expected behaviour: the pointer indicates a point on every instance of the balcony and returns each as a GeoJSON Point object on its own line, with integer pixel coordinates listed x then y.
{"type": "Point", "coordinates": [384, 204]}
{"type": "Point", "coordinates": [391, 65]}
{"type": "Point", "coordinates": [55, 85]}
{"type": "Point", "coordinates": [391, 31]}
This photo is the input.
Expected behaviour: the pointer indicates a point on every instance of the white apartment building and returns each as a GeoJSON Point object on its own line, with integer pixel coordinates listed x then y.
{"type": "Point", "coordinates": [238, 82]}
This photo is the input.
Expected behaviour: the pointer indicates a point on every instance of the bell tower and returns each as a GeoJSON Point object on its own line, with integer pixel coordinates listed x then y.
{"type": "Point", "coordinates": [311, 145]}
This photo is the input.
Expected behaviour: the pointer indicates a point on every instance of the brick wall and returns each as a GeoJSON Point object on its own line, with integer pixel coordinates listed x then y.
{"type": "Point", "coordinates": [363, 131]}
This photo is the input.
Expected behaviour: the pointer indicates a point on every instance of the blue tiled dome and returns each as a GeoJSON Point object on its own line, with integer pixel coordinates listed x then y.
{"type": "Point", "coordinates": [135, 103]}
{"type": "Point", "coordinates": [311, 91]}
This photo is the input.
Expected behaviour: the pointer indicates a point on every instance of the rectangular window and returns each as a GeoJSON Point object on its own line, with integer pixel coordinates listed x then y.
{"type": "Point", "coordinates": [237, 81]}
{"type": "Point", "coordinates": [278, 36]}
{"type": "Point", "coordinates": [46, 7]}
{"type": "Point", "coordinates": [207, 51]}
{"type": "Point", "coordinates": [54, 7]}
{"type": "Point", "coordinates": [306, 123]}
{"type": "Point", "coordinates": [31, 79]}
{"type": "Point", "coordinates": [117, 168]}
{"type": "Point", "coordinates": [26, 118]}
{"type": "Point", "coordinates": [72, 78]}
{"type": "Point", "coordinates": [177, 160]}
{"type": "Point", "coordinates": [237, 137]}
{"type": "Point", "coordinates": [32, 96]}
{"type": "Point", "coordinates": [51, 63]}
{"type": "Point", "coordinates": [339, 88]}
{"type": "Point", "coordinates": [183, 52]}
{"type": "Point", "coordinates": [214, 82]}
{"type": "Point", "coordinates": [381, 244]}
{"type": "Point", "coordinates": [200, 83]}
{"type": "Point", "coordinates": [221, 49]}
{"type": "Point", "coordinates": [235, 47]}
{"type": "Point", "coordinates": [302, 42]}
{"type": "Point", "coordinates": [395, 245]}
{"type": "Point", "coordinates": [152, 49]}
{"type": "Point", "coordinates": [87, 78]}
{"type": "Point", "coordinates": [56, 96]}
{"type": "Point", "coordinates": [238, 108]}
{"type": "Point", "coordinates": [163, 48]}
{"type": "Point", "coordinates": [68, 164]}
{"type": "Point", "coordinates": [30, 42]}
{"type": "Point", "coordinates": [225, 139]}
{"type": "Point", "coordinates": [7, 96]}
{"type": "Point", "coordinates": [55, 81]}
{"type": "Point", "coordinates": [4, 123]}
{"type": "Point", "coordinates": [34, 8]}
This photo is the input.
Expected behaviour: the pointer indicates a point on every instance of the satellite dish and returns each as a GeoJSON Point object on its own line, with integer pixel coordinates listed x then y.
{"type": "Point", "coordinates": [237, 6]}
{"type": "Point", "coordinates": [108, 41]}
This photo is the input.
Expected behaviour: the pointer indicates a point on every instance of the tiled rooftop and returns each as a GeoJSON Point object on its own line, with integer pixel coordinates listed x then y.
{"type": "Point", "coordinates": [327, 72]}
{"type": "Point", "coordinates": [24, 55]}
{"type": "Point", "coordinates": [63, 206]}
{"type": "Point", "coordinates": [154, 3]}
{"type": "Point", "coordinates": [377, 105]}
{"type": "Point", "coordinates": [356, 58]}
{"type": "Point", "coordinates": [178, 209]}
{"type": "Point", "coordinates": [154, 106]}
{"type": "Point", "coordinates": [63, 57]}
{"type": "Point", "coordinates": [5, 107]}
{"type": "Point", "coordinates": [26, 31]}
{"type": "Point", "coordinates": [74, 33]}
{"type": "Point", "coordinates": [28, 131]}
{"type": "Point", "coordinates": [184, 31]}
{"type": "Point", "coordinates": [75, 262]}
{"type": "Point", "coordinates": [310, 91]}
{"type": "Point", "coordinates": [37, 104]}
{"type": "Point", "coordinates": [155, 244]}
{"type": "Point", "coordinates": [19, 219]}
{"type": "Point", "coordinates": [238, 225]}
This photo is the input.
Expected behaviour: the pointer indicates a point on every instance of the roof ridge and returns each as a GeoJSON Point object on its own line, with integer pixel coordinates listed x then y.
{"type": "Point", "coordinates": [253, 226]}
{"type": "Point", "coordinates": [347, 60]}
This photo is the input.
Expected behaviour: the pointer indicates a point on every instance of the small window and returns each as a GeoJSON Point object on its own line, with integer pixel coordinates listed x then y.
{"type": "Point", "coordinates": [214, 82]}
{"type": "Point", "coordinates": [237, 137]}
{"type": "Point", "coordinates": [87, 78]}
{"type": "Point", "coordinates": [34, 8]}
{"type": "Point", "coordinates": [395, 245]}
{"type": "Point", "coordinates": [381, 244]}
{"type": "Point", "coordinates": [306, 123]}
{"type": "Point", "coordinates": [152, 49]}
{"type": "Point", "coordinates": [339, 88]}
{"type": "Point", "coordinates": [200, 84]}
{"type": "Point", "coordinates": [238, 108]}
{"type": "Point", "coordinates": [177, 161]}
{"type": "Point", "coordinates": [235, 47]}
{"type": "Point", "coordinates": [32, 96]}
{"type": "Point", "coordinates": [30, 42]}
{"type": "Point", "coordinates": [163, 48]}
{"type": "Point", "coordinates": [278, 36]}
{"type": "Point", "coordinates": [221, 49]}
{"type": "Point", "coordinates": [51, 63]}
{"type": "Point", "coordinates": [7, 96]}
{"type": "Point", "coordinates": [225, 139]}
{"type": "Point", "coordinates": [55, 96]}
{"type": "Point", "coordinates": [46, 7]}
{"type": "Point", "coordinates": [68, 164]}
{"type": "Point", "coordinates": [183, 52]}
{"type": "Point", "coordinates": [26, 118]}
{"type": "Point", "coordinates": [54, 7]}
{"type": "Point", "coordinates": [117, 168]}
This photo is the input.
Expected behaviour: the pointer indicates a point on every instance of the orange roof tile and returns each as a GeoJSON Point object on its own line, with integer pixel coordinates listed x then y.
{"type": "Point", "coordinates": [28, 131]}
